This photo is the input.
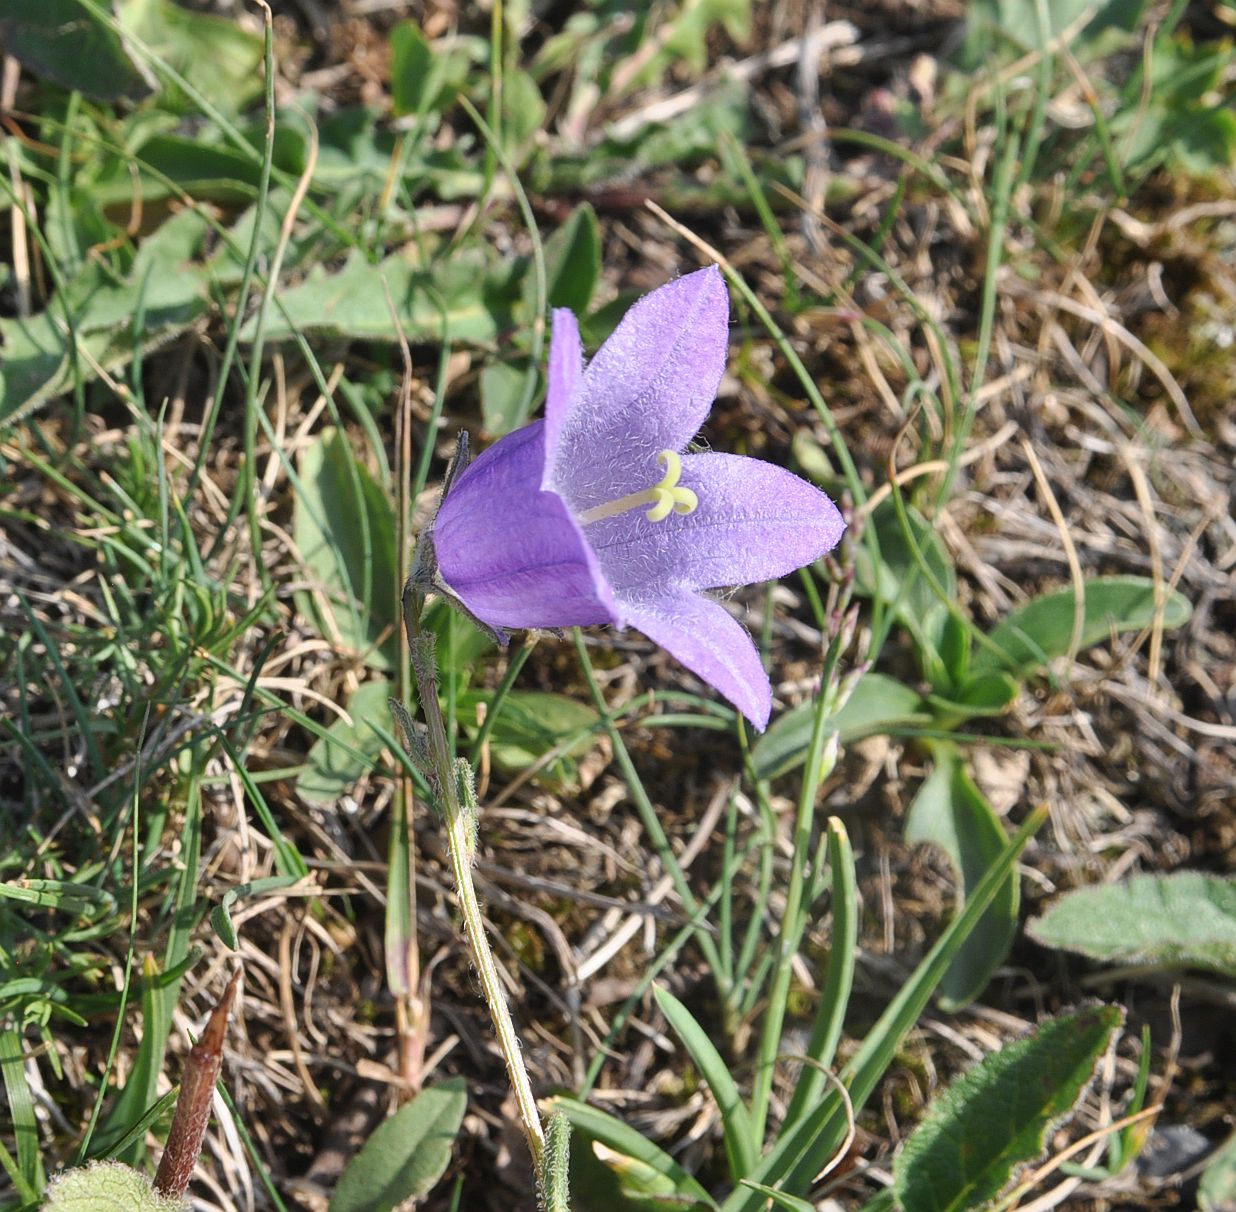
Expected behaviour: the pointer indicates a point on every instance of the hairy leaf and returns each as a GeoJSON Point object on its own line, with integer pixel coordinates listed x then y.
{"type": "Point", "coordinates": [996, 1118]}
{"type": "Point", "coordinates": [1187, 919]}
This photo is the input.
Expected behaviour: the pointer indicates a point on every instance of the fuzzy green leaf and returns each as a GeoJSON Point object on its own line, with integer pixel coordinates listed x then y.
{"type": "Point", "coordinates": [1217, 1191]}
{"type": "Point", "coordinates": [107, 1187]}
{"type": "Point", "coordinates": [459, 300]}
{"type": "Point", "coordinates": [1037, 633]}
{"type": "Point", "coordinates": [996, 1118]}
{"type": "Point", "coordinates": [1187, 919]}
{"type": "Point", "coordinates": [337, 760]}
{"type": "Point", "coordinates": [407, 1154]}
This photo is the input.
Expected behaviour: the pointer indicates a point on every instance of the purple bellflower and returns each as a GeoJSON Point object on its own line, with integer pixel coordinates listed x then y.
{"type": "Point", "coordinates": [593, 516]}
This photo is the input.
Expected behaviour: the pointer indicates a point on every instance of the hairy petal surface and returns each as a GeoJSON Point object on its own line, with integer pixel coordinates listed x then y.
{"type": "Point", "coordinates": [511, 552]}
{"type": "Point", "coordinates": [755, 521]}
{"type": "Point", "coordinates": [566, 365]}
{"type": "Point", "coordinates": [709, 642]}
{"type": "Point", "coordinates": [648, 389]}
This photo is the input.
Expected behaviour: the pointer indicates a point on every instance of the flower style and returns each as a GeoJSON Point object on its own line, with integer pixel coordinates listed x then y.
{"type": "Point", "coordinates": [592, 515]}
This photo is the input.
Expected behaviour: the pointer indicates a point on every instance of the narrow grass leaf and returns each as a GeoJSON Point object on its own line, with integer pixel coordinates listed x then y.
{"type": "Point", "coordinates": [62, 895]}
{"type": "Point", "coordinates": [406, 1154]}
{"type": "Point", "coordinates": [221, 914]}
{"type": "Point", "coordinates": [741, 1147]}
{"type": "Point", "coordinates": [950, 812]}
{"type": "Point", "coordinates": [797, 1157]}
{"type": "Point", "coordinates": [21, 1108]}
{"type": "Point", "coordinates": [1037, 633]}
{"type": "Point", "coordinates": [593, 1125]}
{"type": "Point", "coordinates": [136, 1131]}
{"type": "Point", "coordinates": [996, 1118]}
{"type": "Point", "coordinates": [838, 976]}
{"type": "Point", "coordinates": [780, 1198]}
{"type": "Point", "coordinates": [1187, 920]}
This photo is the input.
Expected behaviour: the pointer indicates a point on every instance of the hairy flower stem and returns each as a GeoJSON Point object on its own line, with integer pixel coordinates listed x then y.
{"type": "Point", "coordinates": [453, 783]}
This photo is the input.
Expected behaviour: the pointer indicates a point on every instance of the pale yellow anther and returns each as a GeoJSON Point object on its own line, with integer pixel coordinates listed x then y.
{"type": "Point", "coordinates": [670, 498]}
{"type": "Point", "coordinates": [665, 497]}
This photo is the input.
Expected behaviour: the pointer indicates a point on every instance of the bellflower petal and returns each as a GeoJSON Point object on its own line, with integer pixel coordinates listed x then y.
{"type": "Point", "coordinates": [512, 553]}
{"type": "Point", "coordinates": [566, 364]}
{"type": "Point", "coordinates": [706, 638]}
{"type": "Point", "coordinates": [591, 516]}
{"type": "Point", "coordinates": [648, 389]}
{"type": "Point", "coordinates": [755, 521]}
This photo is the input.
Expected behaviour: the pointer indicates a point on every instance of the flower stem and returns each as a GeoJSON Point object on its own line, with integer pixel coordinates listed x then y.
{"type": "Point", "coordinates": [452, 783]}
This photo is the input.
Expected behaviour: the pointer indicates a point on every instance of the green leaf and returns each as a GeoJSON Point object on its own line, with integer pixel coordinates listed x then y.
{"type": "Point", "coordinates": [1037, 633]}
{"type": "Point", "coordinates": [523, 112]}
{"type": "Point", "coordinates": [25, 1126]}
{"type": "Point", "coordinates": [337, 760]}
{"type": "Point", "coordinates": [1187, 919]}
{"type": "Point", "coordinates": [221, 916]}
{"type": "Point", "coordinates": [107, 1187]}
{"type": "Point", "coordinates": [982, 695]}
{"type": "Point", "coordinates": [740, 1143]}
{"type": "Point", "coordinates": [530, 725]}
{"type": "Point", "coordinates": [62, 895]}
{"type": "Point", "coordinates": [899, 580]}
{"type": "Point", "coordinates": [997, 1117]}
{"type": "Point", "coordinates": [573, 260]}
{"type": "Point", "coordinates": [950, 812]}
{"type": "Point", "coordinates": [407, 1154]}
{"type": "Point", "coordinates": [61, 41]}
{"type": "Point", "coordinates": [1217, 1191]}
{"type": "Point", "coordinates": [1022, 25]}
{"type": "Point", "coordinates": [955, 650]}
{"type": "Point", "coordinates": [424, 77]}
{"type": "Point", "coordinates": [795, 1158]}
{"type": "Point", "coordinates": [646, 1176]}
{"type": "Point", "coordinates": [211, 172]}
{"type": "Point", "coordinates": [878, 703]}
{"type": "Point", "coordinates": [344, 526]}
{"type": "Point", "coordinates": [459, 299]}
{"type": "Point", "coordinates": [218, 56]}
{"type": "Point", "coordinates": [780, 1198]}
{"type": "Point", "coordinates": [988, 693]}
{"type": "Point", "coordinates": [505, 400]}
{"type": "Point", "coordinates": [39, 357]}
